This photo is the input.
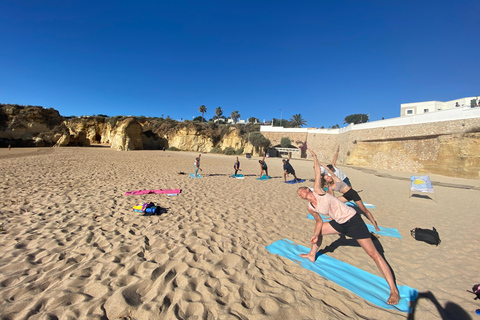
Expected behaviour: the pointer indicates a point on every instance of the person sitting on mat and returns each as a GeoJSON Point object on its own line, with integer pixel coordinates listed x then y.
{"type": "Point", "coordinates": [197, 165]}
{"type": "Point", "coordinates": [334, 183]}
{"type": "Point", "coordinates": [236, 167]}
{"type": "Point", "coordinates": [345, 220]}
{"type": "Point", "coordinates": [288, 169]}
{"type": "Point", "coordinates": [263, 166]}
{"type": "Point", "coordinates": [342, 176]}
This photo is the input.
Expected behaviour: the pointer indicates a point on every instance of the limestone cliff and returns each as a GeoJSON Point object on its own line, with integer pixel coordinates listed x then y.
{"type": "Point", "coordinates": [24, 126]}
{"type": "Point", "coordinates": [127, 135]}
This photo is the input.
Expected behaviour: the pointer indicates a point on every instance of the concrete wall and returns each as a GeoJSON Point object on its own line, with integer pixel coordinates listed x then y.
{"type": "Point", "coordinates": [444, 141]}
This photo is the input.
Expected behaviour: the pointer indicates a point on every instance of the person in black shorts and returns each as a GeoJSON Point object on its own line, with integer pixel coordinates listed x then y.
{"type": "Point", "coordinates": [288, 169]}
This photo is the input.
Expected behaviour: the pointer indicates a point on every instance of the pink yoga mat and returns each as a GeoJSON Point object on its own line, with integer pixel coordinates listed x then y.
{"type": "Point", "coordinates": [159, 191]}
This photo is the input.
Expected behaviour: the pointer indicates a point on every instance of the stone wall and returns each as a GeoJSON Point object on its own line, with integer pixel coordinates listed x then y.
{"type": "Point", "coordinates": [448, 148]}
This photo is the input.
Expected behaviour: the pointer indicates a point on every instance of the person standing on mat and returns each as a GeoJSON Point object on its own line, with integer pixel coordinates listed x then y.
{"type": "Point", "coordinates": [345, 220]}
{"type": "Point", "coordinates": [197, 165]}
{"type": "Point", "coordinates": [236, 167]}
{"type": "Point", "coordinates": [288, 169]}
{"type": "Point", "coordinates": [334, 183]}
{"type": "Point", "coordinates": [263, 166]}
{"type": "Point", "coordinates": [339, 173]}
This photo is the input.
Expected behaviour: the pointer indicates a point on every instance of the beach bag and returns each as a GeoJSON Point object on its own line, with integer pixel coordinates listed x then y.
{"type": "Point", "coordinates": [426, 235]}
{"type": "Point", "coordinates": [141, 207]}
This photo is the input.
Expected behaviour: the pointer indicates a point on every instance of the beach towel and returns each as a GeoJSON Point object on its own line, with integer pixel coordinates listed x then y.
{"type": "Point", "coordinates": [366, 285]}
{"type": "Point", "coordinates": [295, 181]}
{"type": "Point", "coordinates": [158, 191]}
{"type": "Point", "coordinates": [192, 175]}
{"type": "Point", "coordinates": [388, 232]}
{"type": "Point", "coordinates": [353, 204]}
{"type": "Point", "coordinates": [264, 177]}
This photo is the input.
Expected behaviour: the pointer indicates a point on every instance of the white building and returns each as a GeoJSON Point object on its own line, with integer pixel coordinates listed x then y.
{"type": "Point", "coordinates": [410, 109]}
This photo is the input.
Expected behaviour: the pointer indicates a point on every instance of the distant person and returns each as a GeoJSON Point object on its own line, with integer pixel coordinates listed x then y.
{"type": "Point", "coordinates": [9, 147]}
{"type": "Point", "coordinates": [345, 220]}
{"type": "Point", "coordinates": [263, 166]}
{"type": "Point", "coordinates": [456, 104]}
{"type": "Point", "coordinates": [197, 165]}
{"type": "Point", "coordinates": [288, 169]}
{"type": "Point", "coordinates": [236, 167]}
{"type": "Point", "coordinates": [339, 173]}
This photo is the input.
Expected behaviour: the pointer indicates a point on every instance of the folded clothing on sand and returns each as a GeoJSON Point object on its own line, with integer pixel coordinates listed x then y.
{"type": "Point", "coordinates": [368, 286]}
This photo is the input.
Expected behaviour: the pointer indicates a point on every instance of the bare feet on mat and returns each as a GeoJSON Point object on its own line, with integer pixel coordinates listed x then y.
{"type": "Point", "coordinates": [394, 298]}
{"type": "Point", "coordinates": [307, 256]}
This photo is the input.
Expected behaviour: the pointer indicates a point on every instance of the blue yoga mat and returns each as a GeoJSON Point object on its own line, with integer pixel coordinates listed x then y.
{"type": "Point", "coordinates": [192, 175]}
{"type": "Point", "coordinates": [295, 181]}
{"type": "Point", "coordinates": [368, 286]}
{"type": "Point", "coordinates": [237, 176]}
{"type": "Point", "coordinates": [264, 177]}
{"type": "Point", "coordinates": [388, 232]}
{"type": "Point", "coordinates": [353, 204]}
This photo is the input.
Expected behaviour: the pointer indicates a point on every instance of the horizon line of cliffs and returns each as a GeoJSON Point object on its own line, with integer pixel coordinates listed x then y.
{"type": "Point", "coordinates": [34, 126]}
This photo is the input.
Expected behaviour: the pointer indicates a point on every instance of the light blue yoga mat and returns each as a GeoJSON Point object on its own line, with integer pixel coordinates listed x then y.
{"type": "Point", "coordinates": [368, 286]}
{"type": "Point", "coordinates": [237, 176]}
{"type": "Point", "coordinates": [264, 177]}
{"type": "Point", "coordinates": [295, 181]}
{"type": "Point", "coordinates": [192, 175]}
{"type": "Point", "coordinates": [353, 204]}
{"type": "Point", "coordinates": [388, 232]}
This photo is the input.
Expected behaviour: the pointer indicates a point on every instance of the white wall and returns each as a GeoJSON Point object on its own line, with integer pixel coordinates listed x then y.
{"type": "Point", "coordinates": [442, 115]}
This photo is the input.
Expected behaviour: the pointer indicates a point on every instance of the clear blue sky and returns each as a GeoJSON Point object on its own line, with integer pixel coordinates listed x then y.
{"type": "Point", "coordinates": [322, 59]}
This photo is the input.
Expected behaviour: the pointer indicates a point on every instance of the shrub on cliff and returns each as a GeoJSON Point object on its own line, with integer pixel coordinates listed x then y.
{"type": "Point", "coordinates": [229, 151]}
{"type": "Point", "coordinates": [258, 140]}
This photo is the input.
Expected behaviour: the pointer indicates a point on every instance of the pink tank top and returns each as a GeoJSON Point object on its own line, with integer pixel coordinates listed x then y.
{"type": "Point", "coordinates": [331, 206]}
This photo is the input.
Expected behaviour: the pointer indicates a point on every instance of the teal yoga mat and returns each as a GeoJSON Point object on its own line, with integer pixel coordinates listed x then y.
{"type": "Point", "coordinates": [295, 181]}
{"type": "Point", "coordinates": [192, 175]}
{"type": "Point", "coordinates": [388, 232]}
{"type": "Point", "coordinates": [353, 204]}
{"type": "Point", "coordinates": [366, 285]}
{"type": "Point", "coordinates": [264, 177]}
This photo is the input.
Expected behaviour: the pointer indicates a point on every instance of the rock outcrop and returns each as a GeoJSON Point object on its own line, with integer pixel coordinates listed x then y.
{"type": "Point", "coordinates": [127, 135]}
{"type": "Point", "coordinates": [29, 126]}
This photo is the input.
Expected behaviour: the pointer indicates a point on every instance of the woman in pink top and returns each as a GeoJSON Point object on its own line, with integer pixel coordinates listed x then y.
{"type": "Point", "coordinates": [345, 220]}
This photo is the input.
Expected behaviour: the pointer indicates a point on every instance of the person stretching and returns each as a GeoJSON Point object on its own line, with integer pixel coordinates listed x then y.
{"type": "Point", "coordinates": [263, 166]}
{"type": "Point", "coordinates": [334, 183]}
{"type": "Point", "coordinates": [345, 220]}
{"type": "Point", "coordinates": [197, 165]}
{"type": "Point", "coordinates": [342, 176]}
{"type": "Point", "coordinates": [288, 169]}
{"type": "Point", "coordinates": [236, 167]}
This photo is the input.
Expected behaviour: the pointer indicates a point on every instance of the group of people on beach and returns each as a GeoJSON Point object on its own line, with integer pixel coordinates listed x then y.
{"type": "Point", "coordinates": [344, 219]}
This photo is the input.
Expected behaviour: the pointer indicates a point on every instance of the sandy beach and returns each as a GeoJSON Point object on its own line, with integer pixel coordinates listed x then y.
{"type": "Point", "coordinates": [73, 248]}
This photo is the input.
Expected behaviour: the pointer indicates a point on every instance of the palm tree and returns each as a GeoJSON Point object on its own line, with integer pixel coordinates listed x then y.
{"type": "Point", "coordinates": [218, 112]}
{"type": "Point", "coordinates": [297, 120]}
{"type": "Point", "coordinates": [203, 110]}
{"type": "Point", "coordinates": [235, 116]}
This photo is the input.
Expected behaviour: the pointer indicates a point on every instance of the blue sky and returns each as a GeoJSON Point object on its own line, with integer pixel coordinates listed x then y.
{"type": "Point", "coordinates": [322, 59]}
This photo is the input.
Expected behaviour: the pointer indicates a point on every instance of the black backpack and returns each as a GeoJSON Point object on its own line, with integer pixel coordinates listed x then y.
{"type": "Point", "coordinates": [476, 290]}
{"type": "Point", "coordinates": [427, 235]}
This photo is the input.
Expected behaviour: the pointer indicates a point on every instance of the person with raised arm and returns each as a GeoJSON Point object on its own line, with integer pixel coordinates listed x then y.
{"type": "Point", "coordinates": [288, 169]}
{"type": "Point", "coordinates": [345, 220]}
{"type": "Point", "coordinates": [342, 176]}
{"type": "Point", "coordinates": [197, 165]}
{"type": "Point", "coordinates": [263, 166]}
{"type": "Point", "coordinates": [334, 183]}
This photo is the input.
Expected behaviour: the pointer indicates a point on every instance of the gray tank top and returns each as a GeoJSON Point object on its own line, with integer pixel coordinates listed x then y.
{"type": "Point", "coordinates": [339, 186]}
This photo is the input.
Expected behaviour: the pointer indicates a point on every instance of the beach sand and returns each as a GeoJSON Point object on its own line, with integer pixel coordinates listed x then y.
{"type": "Point", "coordinates": [73, 248]}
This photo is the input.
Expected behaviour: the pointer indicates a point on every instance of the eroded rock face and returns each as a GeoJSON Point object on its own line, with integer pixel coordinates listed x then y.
{"type": "Point", "coordinates": [191, 140]}
{"type": "Point", "coordinates": [22, 125]}
{"type": "Point", "coordinates": [127, 135]}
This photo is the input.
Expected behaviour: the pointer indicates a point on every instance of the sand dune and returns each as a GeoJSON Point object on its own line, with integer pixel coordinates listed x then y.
{"type": "Point", "coordinates": [73, 248]}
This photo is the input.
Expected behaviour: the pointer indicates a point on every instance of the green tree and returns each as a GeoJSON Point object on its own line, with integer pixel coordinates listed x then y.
{"type": "Point", "coordinates": [199, 119]}
{"type": "Point", "coordinates": [258, 140]}
{"type": "Point", "coordinates": [285, 142]}
{"type": "Point", "coordinates": [297, 121]}
{"type": "Point", "coordinates": [235, 116]}
{"type": "Point", "coordinates": [253, 120]}
{"type": "Point", "coordinates": [356, 118]}
{"type": "Point", "coordinates": [218, 112]}
{"type": "Point", "coordinates": [202, 109]}
{"type": "Point", "coordinates": [280, 123]}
